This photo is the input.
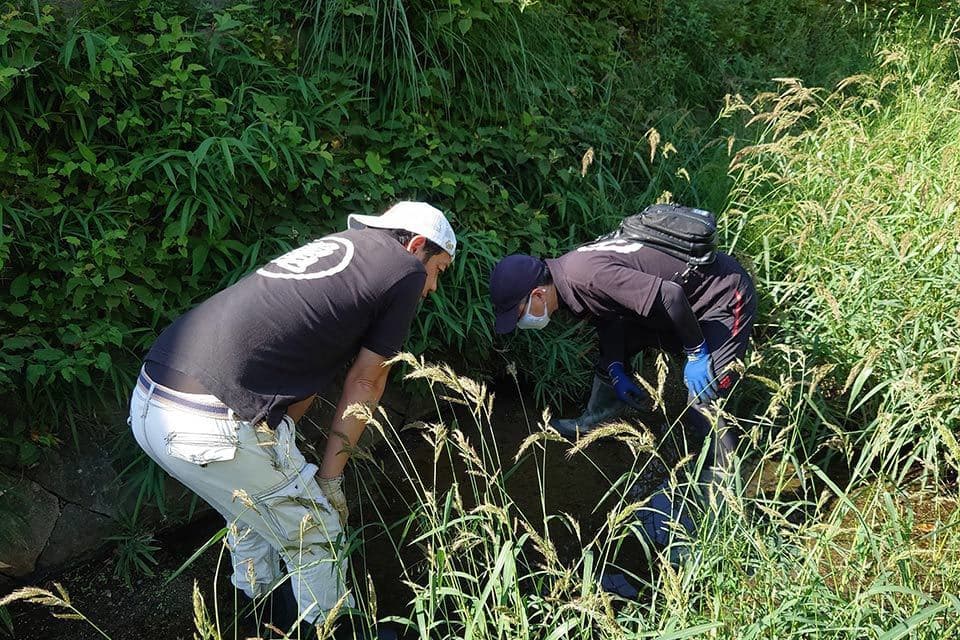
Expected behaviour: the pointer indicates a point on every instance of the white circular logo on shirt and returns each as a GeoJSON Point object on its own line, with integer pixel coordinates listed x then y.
{"type": "Point", "coordinates": [617, 245]}
{"type": "Point", "coordinates": [318, 259]}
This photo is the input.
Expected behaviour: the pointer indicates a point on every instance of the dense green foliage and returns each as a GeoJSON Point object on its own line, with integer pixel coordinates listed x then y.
{"type": "Point", "coordinates": [147, 160]}
{"type": "Point", "coordinates": [153, 153]}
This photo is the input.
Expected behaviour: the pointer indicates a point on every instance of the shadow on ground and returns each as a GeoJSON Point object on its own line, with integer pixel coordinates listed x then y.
{"type": "Point", "coordinates": [549, 482]}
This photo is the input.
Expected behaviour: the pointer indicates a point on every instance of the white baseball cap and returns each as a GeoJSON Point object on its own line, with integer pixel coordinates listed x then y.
{"type": "Point", "coordinates": [416, 217]}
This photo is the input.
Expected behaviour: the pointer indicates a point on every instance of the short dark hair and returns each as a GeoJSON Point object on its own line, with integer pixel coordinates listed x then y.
{"type": "Point", "coordinates": [544, 278]}
{"type": "Point", "coordinates": [430, 248]}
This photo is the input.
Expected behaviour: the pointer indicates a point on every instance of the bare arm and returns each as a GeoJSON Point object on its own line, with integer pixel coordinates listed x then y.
{"type": "Point", "coordinates": [365, 383]}
{"type": "Point", "coordinates": [297, 409]}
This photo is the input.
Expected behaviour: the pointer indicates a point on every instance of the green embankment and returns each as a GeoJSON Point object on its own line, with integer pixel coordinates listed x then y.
{"type": "Point", "coordinates": [148, 159]}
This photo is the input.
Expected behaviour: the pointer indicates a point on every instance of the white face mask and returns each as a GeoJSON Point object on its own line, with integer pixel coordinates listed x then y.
{"type": "Point", "coordinates": [530, 321]}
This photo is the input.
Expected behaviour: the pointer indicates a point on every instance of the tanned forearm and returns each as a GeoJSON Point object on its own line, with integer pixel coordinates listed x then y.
{"type": "Point", "coordinates": [345, 432]}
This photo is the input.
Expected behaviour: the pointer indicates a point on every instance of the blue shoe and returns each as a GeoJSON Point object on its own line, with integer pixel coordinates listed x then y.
{"type": "Point", "coordinates": [617, 584]}
{"type": "Point", "coordinates": [659, 519]}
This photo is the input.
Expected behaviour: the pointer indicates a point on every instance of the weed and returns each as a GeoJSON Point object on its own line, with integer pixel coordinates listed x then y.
{"type": "Point", "coordinates": [59, 602]}
{"type": "Point", "coordinates": [135, 550]}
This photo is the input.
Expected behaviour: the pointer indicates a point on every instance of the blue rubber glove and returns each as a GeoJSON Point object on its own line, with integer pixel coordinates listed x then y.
{"type": "Point", "coordinates": [628, 392]}
{"type": "Point", "coordinates": [698, 374]}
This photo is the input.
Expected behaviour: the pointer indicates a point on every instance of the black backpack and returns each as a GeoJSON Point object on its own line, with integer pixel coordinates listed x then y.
{"type": "Point", "coordinates": [682, 232]}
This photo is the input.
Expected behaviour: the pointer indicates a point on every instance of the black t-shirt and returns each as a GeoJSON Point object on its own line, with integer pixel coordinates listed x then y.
{"type": "Point", "coordinates": [280, 334]}
{"type": "Point", "coordinates": [621, 279]}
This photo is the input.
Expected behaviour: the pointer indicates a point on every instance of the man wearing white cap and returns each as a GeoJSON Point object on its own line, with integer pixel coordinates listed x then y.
{"type": "Point", "coordinates": [223, 386]}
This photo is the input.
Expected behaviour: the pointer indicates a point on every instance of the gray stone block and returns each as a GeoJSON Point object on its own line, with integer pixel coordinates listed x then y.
{"type": "Point", "coordinates": [85, 478]}
{"type": "Point", "coordinates": [30, 514]}
{"type": "Point", "coordinates": [76, 532]}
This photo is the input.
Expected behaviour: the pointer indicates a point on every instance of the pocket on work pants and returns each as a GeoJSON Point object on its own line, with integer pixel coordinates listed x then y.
{"type": "Point", "coordinates": [299, 513]}
{"type": "Point", "coordinates": [280, 446]}
{"type": "Point", "coordinates": [201, 440]}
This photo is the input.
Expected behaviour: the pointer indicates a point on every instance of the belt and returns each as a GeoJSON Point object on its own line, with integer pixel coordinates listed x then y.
{"type": "Point", "coordinates": [207, 405]}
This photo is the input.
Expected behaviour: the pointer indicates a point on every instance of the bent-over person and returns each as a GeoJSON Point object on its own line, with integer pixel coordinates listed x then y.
{"type": "Point", "coordinates": [222, 388]}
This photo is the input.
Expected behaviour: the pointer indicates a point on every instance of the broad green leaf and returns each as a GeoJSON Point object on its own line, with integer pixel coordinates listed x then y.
{"type": "Point", "coordinates": [226, 22]}
{"type": "Point", "coordinates": [18, 342]}
{"type": "Point", "coordinates": [17, 309]}
{"type": "Point", "coordinates": [49, 354]}
{"type": "Point", "coordinates": [103, 361]}
{"type": "Point", "coordinates": [264, 103]}
{"type": "Point", "coordinates": [22, 26]}
{"type": "Point", "coordinates": [169, 172]}
{"type": "Point", "coordinates": [227, 156]}
{"type": "Point", "coordinates": [200, 257]}
{"type": "Point", "coordinates": [443, 18]}
{"type": "Point", "coordinates": [374, 162]}
{"type": "Point", "coordinates": [20, 285]}
{"type": "Point", "coordinates": [91, 49]}
{"type": "Point", "coordinates": [34, 371]}
{"type": "Point", "coordinates": [201, 152]}
{"type": "Point", "coordinates": [87, 154]}
{"type": "Point", "coordinates": [83, 376]}
{"type": "Point", "coordinates": [68, 51]}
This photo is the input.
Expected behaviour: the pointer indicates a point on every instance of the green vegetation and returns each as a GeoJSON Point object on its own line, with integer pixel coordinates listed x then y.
{"type": "Point", "coordinates": [854, 224]}
{"type": "Point", "coordinates": [151, 153]}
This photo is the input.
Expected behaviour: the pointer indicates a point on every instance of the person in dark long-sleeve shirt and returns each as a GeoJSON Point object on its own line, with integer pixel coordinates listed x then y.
{"type": "Point", "coordinates": [638, 297]}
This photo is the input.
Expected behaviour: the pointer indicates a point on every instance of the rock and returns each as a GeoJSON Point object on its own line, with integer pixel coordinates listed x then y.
{"type": "Point", "coordinates": [76, 532]}
{"type": "Point", "coordinates": [30, 514]}
{"type": "Point", "coordinates": [85, 478]}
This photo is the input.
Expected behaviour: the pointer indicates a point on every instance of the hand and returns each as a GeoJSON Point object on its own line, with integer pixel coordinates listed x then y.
{"type": "Point", "coordinates": [332, 489]}
{"type": "Point", "coordinates": [628, 392]}
{"type": "Point", "coordinates": [698, 374]}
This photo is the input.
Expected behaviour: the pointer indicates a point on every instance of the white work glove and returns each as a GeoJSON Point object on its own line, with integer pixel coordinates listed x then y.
{"type": "Point", "coordinates": [332, 489]}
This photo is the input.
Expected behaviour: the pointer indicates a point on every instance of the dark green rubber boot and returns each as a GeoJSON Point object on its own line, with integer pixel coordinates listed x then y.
{"type": "Point", "coordinates": [603, 406]}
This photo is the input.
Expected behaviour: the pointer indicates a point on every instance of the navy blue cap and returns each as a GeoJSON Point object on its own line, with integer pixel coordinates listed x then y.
{"type": "Point", "coordinates": [511, 281]}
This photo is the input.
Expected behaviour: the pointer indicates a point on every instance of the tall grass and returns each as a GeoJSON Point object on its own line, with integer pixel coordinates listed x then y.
{"type": "Point", "coordinates": [850, 206]}
{"type": "Point", "coordinates": [475, 58]}
{"type": "Point", "coordinates": [480, 559]}
{"type": "Point", "coordinates": [792, 553]}
{"type": "Point", "coordinates": [846, 203]}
